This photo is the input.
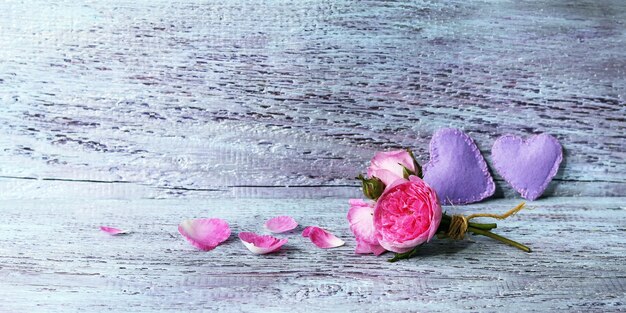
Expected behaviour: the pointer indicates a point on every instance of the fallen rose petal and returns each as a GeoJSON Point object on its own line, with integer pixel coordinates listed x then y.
{"type": "Point", "coordinates": [306, 231]}
{"type": "Point", "coordinates": [261, 244]}
{"type": "Point", "coordinates": [205, 233]}
{"type": "Point", "coordinates": [322, 238]}
{"type": "Point", "coordinates": [281, 224]}
{"type": "Point", "coordinates": [113, 231]}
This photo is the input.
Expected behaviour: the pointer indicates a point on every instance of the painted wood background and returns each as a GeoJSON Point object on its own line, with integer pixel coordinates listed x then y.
{"type": "Point", "coordinates": [68, 265]}
{"type": "Point", "coordinates": [142, 113]}
{"type": "Point", "coordinates": [219, 98]}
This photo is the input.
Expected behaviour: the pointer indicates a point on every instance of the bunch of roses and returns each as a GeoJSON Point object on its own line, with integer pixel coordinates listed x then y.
{"type": "Point", "coordinates": [208, 233]}
{"type": "Point", "coordinates": [403, 211]}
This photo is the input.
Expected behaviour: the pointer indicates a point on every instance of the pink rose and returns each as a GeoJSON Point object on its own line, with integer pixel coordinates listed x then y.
{"type": "Point", "coordinates": [406, 215]}
{"type": "Point", "coordinates": [387, 166]}
{"type": "Point", "coordinates": [361, 218]}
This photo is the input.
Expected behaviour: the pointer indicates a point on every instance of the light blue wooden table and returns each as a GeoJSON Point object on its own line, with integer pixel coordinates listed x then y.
{"type": "Point", "coordinates": [139, 114]}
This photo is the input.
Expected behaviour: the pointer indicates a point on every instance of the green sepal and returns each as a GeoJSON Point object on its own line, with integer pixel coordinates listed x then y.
{"type": "Point", "coordinates": [372, 187]}
{"type": "Point", "coordinates": [406, 172]}
{"type": "Point", "coordinates": [404, 256]}
{"type": "Point", "coordinates": [418, 168]}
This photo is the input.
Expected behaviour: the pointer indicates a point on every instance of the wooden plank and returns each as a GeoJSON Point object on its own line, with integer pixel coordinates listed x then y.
{"type": "Point", "coordinates": [199, 96]}
{"type": "Point", "coordinates": [54, 258]}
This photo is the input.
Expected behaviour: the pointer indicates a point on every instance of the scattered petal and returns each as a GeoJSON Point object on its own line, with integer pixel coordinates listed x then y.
{"type": "Point", "coordinates": [205, 233]}
{"type": "Point", "coordinates": [306, 231]}
{"type": "Point", "coordinates": [281, 224]}
{"type": "Point", "coordinates": [261, 244]}
{"type": "Point", "coordinates": [113, 231]}
{"type": "Point", "coordinates": [322, 238]}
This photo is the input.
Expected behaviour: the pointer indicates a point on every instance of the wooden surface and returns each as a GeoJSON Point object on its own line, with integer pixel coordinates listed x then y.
{"type": "Point", "coordinates": [139, 114]}
{"type": "Point", "coordinates": [54, 258]}
{"type": "Point", "coordinates": [220, 97]}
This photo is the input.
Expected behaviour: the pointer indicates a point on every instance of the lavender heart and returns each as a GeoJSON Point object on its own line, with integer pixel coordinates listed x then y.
{"type": "Point", "coordinates": [529, 165]}
{"type": "Point", "coordinates": [456, 170]}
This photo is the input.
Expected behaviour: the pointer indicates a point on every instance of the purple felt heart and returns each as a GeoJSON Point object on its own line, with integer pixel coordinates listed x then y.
{"type": "Point", "coordinates": [527, 165]}
{"type": "Point", "coordinates": [456, 170]}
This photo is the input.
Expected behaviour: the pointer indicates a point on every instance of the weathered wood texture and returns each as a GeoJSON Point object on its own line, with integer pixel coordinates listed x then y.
{"type": "Point", "coordinates": [53, 258]}
{"type": "Point", "coordinates": [106, 105]}
{"type": "Point", "coordinates": [215, 98]}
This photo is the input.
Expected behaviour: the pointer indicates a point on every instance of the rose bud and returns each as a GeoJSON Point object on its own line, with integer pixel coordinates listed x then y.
{"type": "Point", "coordinates": [392, 165]}
{"type": "Point", "coordinates": [372, 187]}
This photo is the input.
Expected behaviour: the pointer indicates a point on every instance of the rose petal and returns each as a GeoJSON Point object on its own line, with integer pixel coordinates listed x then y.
{"type": "Point", "coordinates": [363, 247]}
{"type": "Point", "coordinates": [322, 238]}
{"type": "Point", "coordinates": [113, 231]}
{"type": "Point", "coordinates": [261, 244]}
{"type": "Point", "coordinates": [205, 233]}
{"type": "Point", "coordinates": [281, 224]}
{"type": "Point", "coordinates": [307, 231]}
{"type": "Point", "coordinates": [387, 166]}
{"type": "Point", "coordinates": [387, 177]}
{"type": "Point", "coordinates": [361, 219]}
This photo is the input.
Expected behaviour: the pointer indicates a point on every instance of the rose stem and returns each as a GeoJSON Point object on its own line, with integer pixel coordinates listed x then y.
{"type": "Point", "coordinates": [499, 238]}
{"type": "Point", "coordinates": [485, 226]}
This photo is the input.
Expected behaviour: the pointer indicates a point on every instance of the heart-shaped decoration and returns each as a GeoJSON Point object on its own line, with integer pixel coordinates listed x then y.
{"type": "Point", "coordinates": [456, 170]}
{"type": "Point", "coordinates": [527, 165]}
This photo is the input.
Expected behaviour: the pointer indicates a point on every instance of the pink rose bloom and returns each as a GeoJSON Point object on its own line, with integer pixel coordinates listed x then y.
{"type": "Point", "coordinates": [361, 218]}
{"type": "Point", "coordinates": [406, 215]}
{"type": "Point", "coordinates": [387, 166]}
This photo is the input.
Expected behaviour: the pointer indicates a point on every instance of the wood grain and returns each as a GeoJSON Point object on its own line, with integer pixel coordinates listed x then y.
{"type": "Point", "coordinates": [54, 258]}
{"type": "Point", "coordinates": [139, 114]}
{"type": "Point", "coordinates": [185, 99]}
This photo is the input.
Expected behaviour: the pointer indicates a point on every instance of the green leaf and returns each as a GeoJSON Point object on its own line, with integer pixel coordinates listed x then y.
{"type": "Point", "coordinates": [404, 256]}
